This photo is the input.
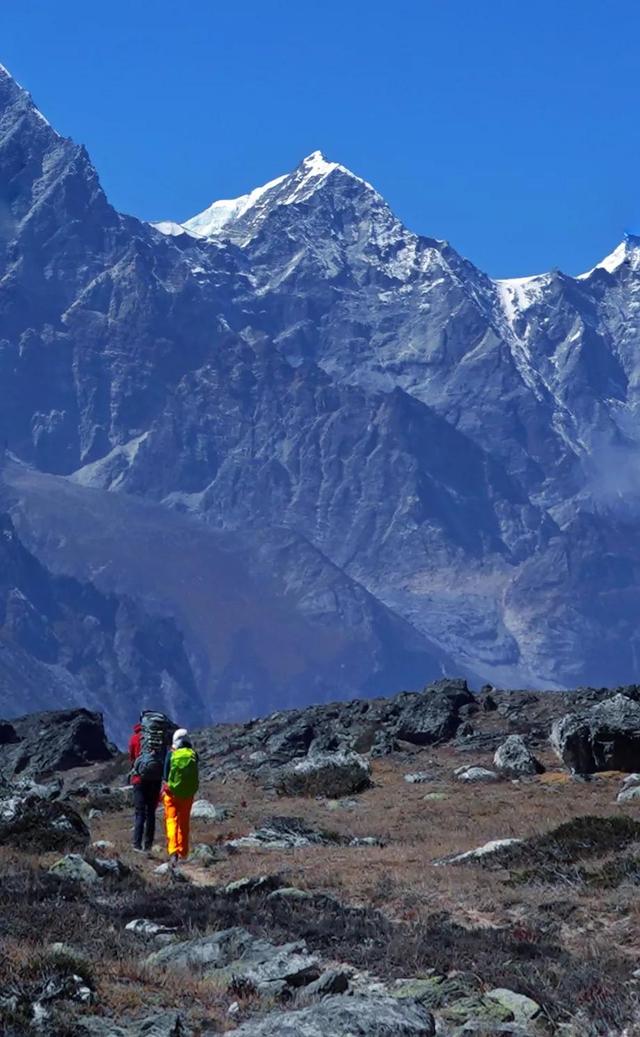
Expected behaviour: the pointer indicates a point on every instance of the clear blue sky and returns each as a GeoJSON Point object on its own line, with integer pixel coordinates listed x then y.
{"type": "Point", "coordinates": [511, 129]}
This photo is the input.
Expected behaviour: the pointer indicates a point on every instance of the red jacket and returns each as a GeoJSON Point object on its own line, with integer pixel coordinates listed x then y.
{"type": "Point", "coordinates": [135, 747]}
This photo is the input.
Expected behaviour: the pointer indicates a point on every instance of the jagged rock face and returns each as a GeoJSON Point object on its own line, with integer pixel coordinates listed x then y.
{"type": "Point", "coordinates": [45, 743]}
{"type": "Point", "coordinates": [407, 449]}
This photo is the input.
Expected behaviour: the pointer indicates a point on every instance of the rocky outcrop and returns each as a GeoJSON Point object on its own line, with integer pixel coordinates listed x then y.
{"type": "Point", "coordinates": [35, 824]}
{"type": "Point", "coordinates": [291, 833]}
{"type": "Point", "coordinates": [45, 743]}
{"type": "Point", "coordinates": [330, 775]}
{"type": "Point", "coordinates": [235, 954]}
{"type": "Point", "coordinates": [514, 759]}
{"type": "Point", "coordinates": [275, 744]}
{"type": "Point", "coordinates": [605, 737]}
{"type": "Point", "coordinates": [343, 1016]}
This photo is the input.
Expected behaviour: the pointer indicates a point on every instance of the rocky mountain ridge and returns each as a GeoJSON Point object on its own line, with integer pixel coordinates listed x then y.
{"type": "Point", "coordinates": [421, 469]}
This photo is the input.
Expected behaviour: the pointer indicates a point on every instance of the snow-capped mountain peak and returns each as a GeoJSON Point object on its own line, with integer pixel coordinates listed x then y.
{"type": "Point", "coordinates": [222, 217]}
{"type": "Point", "coordinates": [17, 93]}
{"type": "Point", "coordinates": [627, 252]}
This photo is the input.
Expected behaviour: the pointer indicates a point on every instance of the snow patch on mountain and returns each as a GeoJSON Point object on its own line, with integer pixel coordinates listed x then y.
{"type": "Point", "coordinates": [171, 229]}
{"type": "Point", "coordinates": [213, 219]}
{"type": "Point", "coordinates": [517, 294]}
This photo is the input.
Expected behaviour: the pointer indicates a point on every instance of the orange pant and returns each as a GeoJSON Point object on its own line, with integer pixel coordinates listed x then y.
{"type": "Point", "coordinates": [177, 814]}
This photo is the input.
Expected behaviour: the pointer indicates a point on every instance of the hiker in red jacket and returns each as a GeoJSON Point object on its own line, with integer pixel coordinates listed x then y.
{"type": "Point", "coordinates": [146, 796]}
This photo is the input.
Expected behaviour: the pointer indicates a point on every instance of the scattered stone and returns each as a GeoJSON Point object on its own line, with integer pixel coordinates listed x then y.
{"type": "Point", "coordinates": [171, 871]}
{"type": "Point", "coordinates": [476, 1008]}
{"type": "Point", "coordinates": [333, 981]}
{"type": "Point", "coordinates": [74, 868]}
{"type": "Point", "coordinates": [94, 814]}
{"type": "Point", "coordinates": [435, 990]}
{"type": "Point", "coordinates": [252, 885]}
{"type": "Point", "coordinates": [418, 778]}
{"type": "Point", "coordinates": [486, 850]}
{"type": "Point", "coordinates": [330, 775]}
{"type": "Point", "coordinates": [283, 833]}
{"type": "Point", "coordinates": [290, 893]}
{"type": "Point", "coordinates": [149, 929]}
{"type": "Point", "coordinates": [605, 737]}
{"type": "Point", "coordinates": [436, 796]}
{"type": "Point", "coordinates": [110, 867]}
{"type": "Point", "coordinates": [203, 810]}
{"type": "Point", "coordinates": [480, 774]}
{"type": "Point", "coordinates": [103, 844]}
{"type": "Point", "coordinates": [206, 856]}
{"type": "Point", "coordinates": [522, 1008]}
{"type": "Point", "coordinates": [32, 823]}
{"type": "Point", "coordinates": [514, 760]}
{"type": "Point", "coordinates": [629, 794]}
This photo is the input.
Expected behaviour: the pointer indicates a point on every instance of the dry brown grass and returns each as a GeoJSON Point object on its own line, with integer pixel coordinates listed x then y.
{"type": "Point", "coordinates": [577, 943]}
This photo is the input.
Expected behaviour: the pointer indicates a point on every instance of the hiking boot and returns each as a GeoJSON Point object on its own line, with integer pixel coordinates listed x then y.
{"type": "Point", "coordinates": [138, 849]}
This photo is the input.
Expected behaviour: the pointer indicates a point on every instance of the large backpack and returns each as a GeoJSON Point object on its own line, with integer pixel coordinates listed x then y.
{"type": "Point", "coordinates": [183, 779]}
{"type": "Point", "coordinates": [155, 739]}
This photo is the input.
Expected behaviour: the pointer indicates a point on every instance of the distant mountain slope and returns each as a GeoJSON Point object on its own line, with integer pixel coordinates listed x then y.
{"type": "Point", "coordinates": [63, 641]}
{"type": "Point", "coordinates": [378, 462]}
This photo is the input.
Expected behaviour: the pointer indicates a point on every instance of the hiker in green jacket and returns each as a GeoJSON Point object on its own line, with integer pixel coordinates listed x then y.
{"type": "Point", "coordinates": [181, 782]}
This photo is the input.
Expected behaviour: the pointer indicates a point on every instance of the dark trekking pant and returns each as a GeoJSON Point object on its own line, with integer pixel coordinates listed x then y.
{"type": "Point", "coordinates": [146, 795]}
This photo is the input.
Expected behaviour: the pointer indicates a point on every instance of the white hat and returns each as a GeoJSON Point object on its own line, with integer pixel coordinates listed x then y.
{"type": "Point", "coordinates": [178, 736]}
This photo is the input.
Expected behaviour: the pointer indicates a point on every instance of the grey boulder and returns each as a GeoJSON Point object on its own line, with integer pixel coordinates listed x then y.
{"type": "Point", "coordinates": [330, 775]}
{"type": "Point", "coordinates": [345, 1016]}
{"type": "Point", "coordinates": [515, 760]}
{"type": "Point", "coordinates": [479, 852]}
{"type": "Point", "coordinates": [605, 737]}
{"type": "Point", "coordinates": [477, 774]}
{"type": "Point", "coordinates": [74, 868]}
{"type": "Point", "coordinates": [234, 954]}
{"type": "Point", "coordinates": [203, 810]}
{"type": "Point", "coordinates": [433, 716]}
{"type": "Point", "coordinates": [166, 1024]}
